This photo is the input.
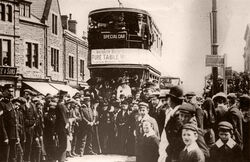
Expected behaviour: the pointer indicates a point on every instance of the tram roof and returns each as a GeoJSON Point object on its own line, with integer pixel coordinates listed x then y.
{"type": "Point", "coordinates": [119, 9]}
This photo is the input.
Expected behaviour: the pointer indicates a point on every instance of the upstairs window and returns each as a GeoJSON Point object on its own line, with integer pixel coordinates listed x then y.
{"type": "Point", "coordinates": [25, 10]}
{"type": "Point", "coordinates": [54, 24]}
{"type": "Point", "coordinates": [71, 66]}
{"type": "Point", "coordinates": [2, 12]}
{"type": "Point", "coordinates": [82, 69]}
{"type": "Point", "coordinates": [32, 55]}
{"type": "Point", "coordinates": [9, 13]}
{"type": "Point", "coordinates": [5, 52]}
{"type": "Point", "coordinates": [55, 59]}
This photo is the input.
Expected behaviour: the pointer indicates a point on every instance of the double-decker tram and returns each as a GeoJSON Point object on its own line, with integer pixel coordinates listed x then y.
{"type": "Point", "coordinates": [123, 42]}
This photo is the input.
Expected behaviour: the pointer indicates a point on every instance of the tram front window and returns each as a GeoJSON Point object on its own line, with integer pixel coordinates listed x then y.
{"type": "Point", "coordinates": [119, 30]}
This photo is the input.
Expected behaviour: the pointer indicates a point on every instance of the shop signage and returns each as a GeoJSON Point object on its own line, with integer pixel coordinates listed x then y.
{"type": "Point", "coordinates": [8, 70]}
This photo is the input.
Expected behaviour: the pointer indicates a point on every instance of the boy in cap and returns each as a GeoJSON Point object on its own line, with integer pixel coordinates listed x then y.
{"type": "Point", "coordinates": [150, 143]}
{"type": "Point", "coordinates": [225, 148]}
{"type": "Point", "coordinates": [191, 152]}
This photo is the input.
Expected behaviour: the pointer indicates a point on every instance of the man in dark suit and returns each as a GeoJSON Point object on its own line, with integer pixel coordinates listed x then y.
{"type": "Point", "coordinates": [122, 127]}
{"type": "Point", "coordinates": [29, 123]}
{"type": "Point", "coordinates": [157, 110]}
{"type": "Point", "coordinates": [3, 136]}
{"type": "Point", "coordinates": [86, 125]}
{"type": "Point", "coordinates": [61, 124]}
{"type": "Point", "coordinates": [234, 116]}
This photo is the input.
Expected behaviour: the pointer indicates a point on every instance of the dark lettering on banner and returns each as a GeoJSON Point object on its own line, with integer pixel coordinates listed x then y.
{"type": "Point", "coordinates": [8, 71]}
{"type": "Point", "coordinates": [114, 36]}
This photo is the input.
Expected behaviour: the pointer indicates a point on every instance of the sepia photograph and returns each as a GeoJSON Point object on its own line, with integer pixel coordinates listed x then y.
{"type": "Point", "coordinates": [124, 81]}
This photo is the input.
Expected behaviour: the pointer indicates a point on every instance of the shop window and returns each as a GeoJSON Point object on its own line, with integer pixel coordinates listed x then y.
{"type": "Point", "coordinates": [55, 59]}
{"type": "Point", "coordinates": [2, 12]}
{"type": "Point", "coordinates": [71, 66]}
{"type": "Point", "coordinates": [32, 55]}
{"type": "Point", "coordinates": [5, 52]}
{"type": "Point", "coordinates": [54, 24]}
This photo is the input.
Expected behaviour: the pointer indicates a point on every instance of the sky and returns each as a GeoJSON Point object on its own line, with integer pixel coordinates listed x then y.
{"type": "Point", "coordinates": [185, 27]}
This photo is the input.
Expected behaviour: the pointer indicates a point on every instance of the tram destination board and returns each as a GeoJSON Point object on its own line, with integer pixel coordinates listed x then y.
{"type": "Point", "coordinates": [114, 36]}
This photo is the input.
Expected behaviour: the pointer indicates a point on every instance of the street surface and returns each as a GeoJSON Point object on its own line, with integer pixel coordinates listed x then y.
{"type": "Point", "coordinates": [102, 158]}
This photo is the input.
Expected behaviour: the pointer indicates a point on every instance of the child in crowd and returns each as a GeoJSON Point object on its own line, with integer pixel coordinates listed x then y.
{"type": "Point", "coordinates": [192, 152]}
{"type": "Point", "coordinates": [225, 148]}
{"type": "Point", "coordinates": [150, 143]}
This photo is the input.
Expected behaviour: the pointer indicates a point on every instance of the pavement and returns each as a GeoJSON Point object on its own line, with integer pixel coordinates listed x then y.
{"type": "Point", "coordinates": [102, 158]}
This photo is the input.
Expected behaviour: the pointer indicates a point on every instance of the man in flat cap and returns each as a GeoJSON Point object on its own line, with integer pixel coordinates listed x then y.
{"type": "Point", "coordinates": [61, 124]}
{"type": "Point", "coordinates": [147, 90]}
{"type": "Point", "coordinates": [234, 116]}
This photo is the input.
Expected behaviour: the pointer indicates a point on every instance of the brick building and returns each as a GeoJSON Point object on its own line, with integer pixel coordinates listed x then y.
{"type": "Point", "coordinates": [36, 51]}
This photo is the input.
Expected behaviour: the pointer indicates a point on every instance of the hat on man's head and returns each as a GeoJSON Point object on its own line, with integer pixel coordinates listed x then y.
{"type": "Point", "coordinates": [16, 100]}
{"type": "Point", "coordinates": [22, 100]}
{"type": "Point", "coordinates": [8, 86]}
{"type": "Point", "coordinates": [86, 99]}
{"type": "Point", "coordinates": [187, 108]}
{"type": "Point", "coordinates": [190, 126]}
{"type": "Point", "coordinates": [244, 102]}
{"type": "Point", "coordinates": [176, 92]}
{"type": "Point", "coordinates": [219, 95]}
{"type": "Point", "coordinates": [232, 96]}
{"type": "Point", "coordinates": [28, 91]}
{"type": "Point", "coordinates": [124, 102]}
{"type": "Point", "coordinates": [148, 85]}
{"type": "Point", "coordinates": [62, 92]}
{"type": "Point", "coordinates": [225, 125]}
{"type": "Point", "coordinates": [48, 95]}
{"type": "Point", "coordinates": [190, 94]}
{"type": "Point", "coordinates": [143, 104]}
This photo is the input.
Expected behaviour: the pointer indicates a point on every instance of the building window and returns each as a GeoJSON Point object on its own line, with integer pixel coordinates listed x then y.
{"type": "Point", "coordinates": [5, 52]}
{"type": "Point", "coordinates": [55, 59]}
{"type": "Point", "coordinates": [21, 10]}
{"type": "Point", "coordinates": [25, 10]}
{"type": "Point", "coordinates": [82, 68]}
{"type": "Point", "coordinates": [2, 12]}
{"type": "Point", "coordinates": [9, 13]}
{"type": "Point", "coordinates": [54, 24]}
{"type": "Point", "coordinates": [32, 55]}
{"type": "Point", "coordinates": [71, 66]}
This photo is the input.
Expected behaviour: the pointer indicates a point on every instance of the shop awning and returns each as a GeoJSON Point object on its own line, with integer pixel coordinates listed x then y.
{"type": "Point", "coordinates": [71, 91]}
{"type": "Point", "coordinates": [42, 87]}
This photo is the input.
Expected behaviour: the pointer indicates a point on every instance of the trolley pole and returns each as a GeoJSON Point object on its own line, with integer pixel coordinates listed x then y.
{"type": "Point", "coordinates": [214, 46]}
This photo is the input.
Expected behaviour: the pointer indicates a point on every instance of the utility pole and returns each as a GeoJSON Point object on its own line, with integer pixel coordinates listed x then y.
{"type": "Point", "coordinates": [214, 46]}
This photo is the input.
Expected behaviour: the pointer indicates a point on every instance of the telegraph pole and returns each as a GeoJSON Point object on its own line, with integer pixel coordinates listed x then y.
{"type": "Point", "coordinates": [214, 46]}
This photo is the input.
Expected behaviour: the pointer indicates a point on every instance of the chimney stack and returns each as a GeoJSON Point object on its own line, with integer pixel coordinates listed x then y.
{"type": "Point", "coordinates": [64, 21]}
{"type": "Point", "coordinates": [72, 24]}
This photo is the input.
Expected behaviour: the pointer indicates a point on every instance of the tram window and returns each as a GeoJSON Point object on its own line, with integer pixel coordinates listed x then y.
{"type": "Point", "coordinates": [135, 25]}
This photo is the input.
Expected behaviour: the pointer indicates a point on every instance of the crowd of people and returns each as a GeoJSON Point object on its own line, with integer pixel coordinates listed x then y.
{"type": "Point", "coordinates": [126, 121]}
